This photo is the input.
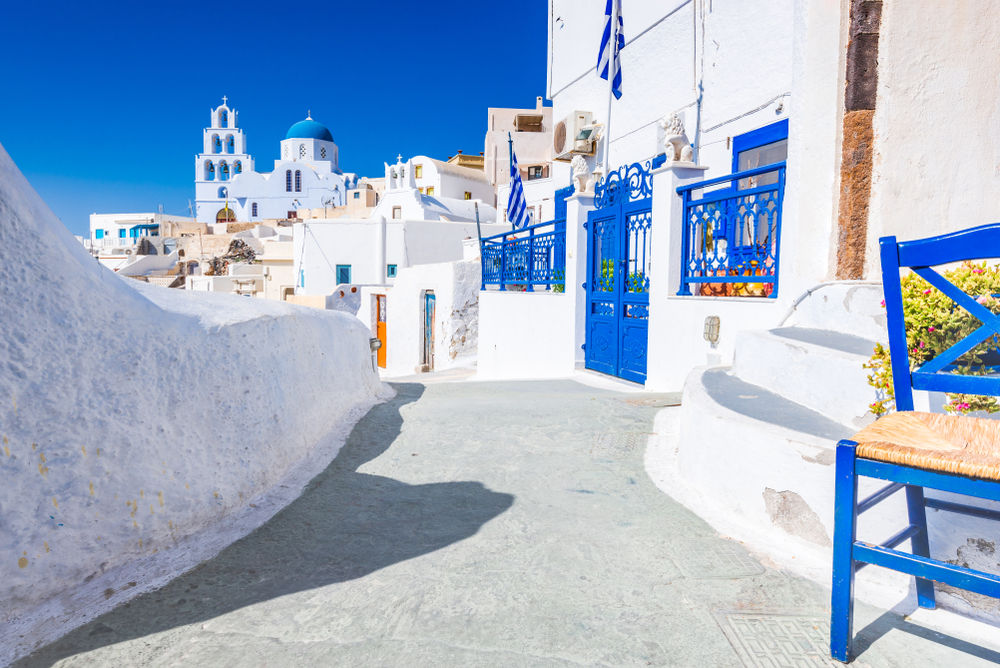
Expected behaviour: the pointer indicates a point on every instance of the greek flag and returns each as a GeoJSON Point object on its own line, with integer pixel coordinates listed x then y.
{"type": "Point", "coordinates": [605, 56]}
{"type": "Point", "coordinates": [517, 207]}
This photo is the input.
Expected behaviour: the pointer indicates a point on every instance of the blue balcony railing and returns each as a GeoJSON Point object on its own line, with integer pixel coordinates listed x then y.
{"type": "Point", "coordinates": [526, 258]}
{"type": "Point", "coordinates": [732, 232]}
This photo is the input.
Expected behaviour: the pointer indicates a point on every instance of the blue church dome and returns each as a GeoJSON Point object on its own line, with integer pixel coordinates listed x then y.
{"type": "Point", "coordinates": [309, 129]}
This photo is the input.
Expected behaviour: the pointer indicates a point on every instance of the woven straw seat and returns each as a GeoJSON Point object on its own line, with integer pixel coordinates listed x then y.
{"type": "Point", "coordinates": [944, 443]}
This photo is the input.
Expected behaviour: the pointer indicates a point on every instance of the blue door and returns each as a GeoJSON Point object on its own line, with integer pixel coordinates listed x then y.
{"type": "Point", "coordinates": [618, 251]}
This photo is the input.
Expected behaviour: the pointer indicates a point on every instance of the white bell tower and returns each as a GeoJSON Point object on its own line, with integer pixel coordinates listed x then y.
{"type": "Point", "coordinates": [223, 158]}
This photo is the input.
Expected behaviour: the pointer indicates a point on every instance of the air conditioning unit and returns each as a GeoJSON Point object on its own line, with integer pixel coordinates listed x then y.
{"type": "Point", "coordinates": [574, 135]}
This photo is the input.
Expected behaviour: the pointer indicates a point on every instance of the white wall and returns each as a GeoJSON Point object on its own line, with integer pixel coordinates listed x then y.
{"type": "Point", "coordinates": [526, 335]}
{"type": "Point", "coordinates": [132, 450]}
{"type": "Point", "coordinates": [937, 151]}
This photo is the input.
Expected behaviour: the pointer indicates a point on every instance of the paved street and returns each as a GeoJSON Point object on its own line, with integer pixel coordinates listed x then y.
{"type": "Point", "coordinates": [490, 524]}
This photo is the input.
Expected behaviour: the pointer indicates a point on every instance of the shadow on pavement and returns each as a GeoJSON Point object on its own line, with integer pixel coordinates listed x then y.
{"type": "Point", "coordinates": [344, 525]}
{"type": "Point", "coordinates": [889, 621]}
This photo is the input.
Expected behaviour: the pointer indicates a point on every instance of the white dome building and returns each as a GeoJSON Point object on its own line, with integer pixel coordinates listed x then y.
{"type": "Point", "coordinates": [306, 176]}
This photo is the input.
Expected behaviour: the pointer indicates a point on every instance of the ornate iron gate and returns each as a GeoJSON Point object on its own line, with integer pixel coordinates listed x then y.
{"type": "Point", "coordinates": [618, 249]}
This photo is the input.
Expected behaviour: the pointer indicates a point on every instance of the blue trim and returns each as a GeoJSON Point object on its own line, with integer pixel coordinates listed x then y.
{"type": "Point", "coordinates": [759, 137]}
{"type": "Point", "coordinates": [343, 273]}
{"type": "Point", "coordinates": [98, 234]}
{"type": "Point", "coordinates": [390, 271]}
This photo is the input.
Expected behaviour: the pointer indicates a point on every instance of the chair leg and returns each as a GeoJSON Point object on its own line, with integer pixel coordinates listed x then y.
{"type": "Point", "coordinates": [845, 519]}
{"type": "Point", "coordinates": [918, 517]}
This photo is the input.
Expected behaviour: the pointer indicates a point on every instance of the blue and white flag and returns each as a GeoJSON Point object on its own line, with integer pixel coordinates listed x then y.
{"type": "Point", "coordinates": [517, 206]}
{"type": "Point", "coordinates": [605, 55]}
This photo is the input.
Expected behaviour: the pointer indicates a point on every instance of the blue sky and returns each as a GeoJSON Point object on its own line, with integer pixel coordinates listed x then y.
{"type": "Point", "coordinates": [103, 104]}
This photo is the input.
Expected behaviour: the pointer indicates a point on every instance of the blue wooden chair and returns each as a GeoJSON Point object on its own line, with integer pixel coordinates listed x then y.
{"type": "Point", "coordinates": [913, 450]}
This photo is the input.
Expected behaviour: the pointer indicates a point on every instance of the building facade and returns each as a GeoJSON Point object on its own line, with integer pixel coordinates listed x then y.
{"type": "Point", "coordinates": [228, 188]}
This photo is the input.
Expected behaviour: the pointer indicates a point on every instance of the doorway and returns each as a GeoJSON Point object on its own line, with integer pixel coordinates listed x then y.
{"type": "Point", "coordinates": [429, 308]}
{"type": "Point", "coordinates": [380, 332]}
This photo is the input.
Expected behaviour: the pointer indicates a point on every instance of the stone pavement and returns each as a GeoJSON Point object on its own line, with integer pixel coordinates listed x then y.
{"type": "Point", "coordinates": [490, 524]}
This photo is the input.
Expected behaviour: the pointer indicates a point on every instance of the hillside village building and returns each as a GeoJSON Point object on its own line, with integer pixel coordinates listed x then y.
{"type": "Point", "coordinates": [531, 133]}
{"type": "Point", "coordinates": [307, 175]}
{"type": "Point", "coordinates": [116, 239]}
{"type": "Point", "coordinates": [722, 237]}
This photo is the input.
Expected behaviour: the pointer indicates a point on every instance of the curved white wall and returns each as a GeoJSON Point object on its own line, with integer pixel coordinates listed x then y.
{"type": "Point", "coordinates": [138, 423]}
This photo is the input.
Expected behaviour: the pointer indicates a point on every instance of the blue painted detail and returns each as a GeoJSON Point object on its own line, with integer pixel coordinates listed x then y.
{"type": "Point", "coordinates": [617, 294]}
{"type": "Point", "coordinates": [121, 233]}
{"type": "Point", "coordinates": [629, 183]}
{"type": "Point", "coordinates": [560, 201]}
{"type": "Point", "coordinates": [98, 234]}
{"type": "Point", "coordinates": [756, 138]}
{"type": "Point", "coordinates": [343, 273]}
{"type": "Point", "coordinates": [230, 144]}
{"type": "Point", "coordinates": [529, 257]}
{"type": "Point", "coordinates": [302, 278]}
{"type": "Point", "coordinates": [429, 308]}
{"type": "Point", "coordinates": [734, 233]}
{"type": "Point", "coordinates": [390, 271]}
{"type": "Point", "coordinates": [941, 372]}
{"type": "Point", "coordinates": [309, 129]}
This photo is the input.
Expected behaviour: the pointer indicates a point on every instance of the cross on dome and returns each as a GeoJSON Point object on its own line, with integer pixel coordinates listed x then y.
{"type": "Point", "coordinates": [399, 159]}
{"type": "Point", "coordinates": [309, 114]}
{"type": "Point", "coordinates": [225, 100]}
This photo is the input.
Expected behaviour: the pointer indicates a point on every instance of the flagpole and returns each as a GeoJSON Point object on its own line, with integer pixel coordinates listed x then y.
{"type": "Point", "coordinates": [611, 66]}
{"type": "Point", "coordinates": [510, 170]}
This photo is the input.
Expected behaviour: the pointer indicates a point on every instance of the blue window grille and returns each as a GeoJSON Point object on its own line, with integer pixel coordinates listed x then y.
{"type": "Point", "coordinates": [343, 273]}
{"type": "Point", "coordinates": [731, 235]}
{"type": "Point", "coordinates": [298, 181]}
{"type": "Point", "coordinates": [390, 270]}
{"type": "Point", "coordinates": [253, 209]}
{"type": "Point", "coordinates": [98, 234]}
{"type": "Point", "coordinates": [529, 257]}
{"type": "Point", "coordinates": [288, 180]}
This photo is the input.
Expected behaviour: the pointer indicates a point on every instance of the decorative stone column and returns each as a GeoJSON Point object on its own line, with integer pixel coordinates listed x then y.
{"type": "Point", "coordinates": [578, 205]}
{"type": "Point", "coordinates": [665, 263]}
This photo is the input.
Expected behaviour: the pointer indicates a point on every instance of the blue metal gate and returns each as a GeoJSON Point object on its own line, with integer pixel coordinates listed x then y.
{"type": "Point", "coordinates": [618, 250]}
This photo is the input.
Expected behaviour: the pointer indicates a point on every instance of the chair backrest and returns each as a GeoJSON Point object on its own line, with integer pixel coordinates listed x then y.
{"type": "Point", "coordinates": [921, 255]}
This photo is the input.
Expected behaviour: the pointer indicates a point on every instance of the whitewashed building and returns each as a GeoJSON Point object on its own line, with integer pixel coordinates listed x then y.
{"type": "Point", "coordinates": [116, 238]}
{"type": "Point", "coordinates": [307, 175]}
{"type": "Point", "coordinates": [757, 153]}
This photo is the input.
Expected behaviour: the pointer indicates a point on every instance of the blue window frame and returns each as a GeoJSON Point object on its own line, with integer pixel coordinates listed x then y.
{"type": "Point", "coordinates": [760, 147]}
{"type": "Point", "coordinates": [121, 233]}
{"type": "Point", "coordinates": [98, 234]}
{"type": "Point", "coordinates": [302, 278]}
{"type": "Point", "coordinates": [390, 270]}
{"type": "Point", "coordinates": [343, 273]}
{"type": "Point", "coordinates": [288, 180]}
{"type": "Point", "coordinates": [253, 209]}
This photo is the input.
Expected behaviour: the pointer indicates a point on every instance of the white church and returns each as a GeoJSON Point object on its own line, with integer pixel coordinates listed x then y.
{"type": "Point", "coordinates": [228, 189]}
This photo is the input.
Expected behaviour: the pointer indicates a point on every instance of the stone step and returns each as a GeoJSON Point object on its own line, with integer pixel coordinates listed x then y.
{"type": "Point", "coordinates": [844, 306]}
{"type": "Point", "coordinates": [766, 462]}
{"type": "Point", "coordinates": [820, 369]}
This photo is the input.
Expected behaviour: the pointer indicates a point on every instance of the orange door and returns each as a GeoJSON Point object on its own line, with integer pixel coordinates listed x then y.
{"type": "Point", "coordinates": [380, 329]}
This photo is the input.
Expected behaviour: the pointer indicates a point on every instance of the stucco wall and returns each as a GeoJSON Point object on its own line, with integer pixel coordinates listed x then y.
{"type": "Point", "coordinates": [937, 151]}
{"type": "Point", "coordinates": [525, 335]}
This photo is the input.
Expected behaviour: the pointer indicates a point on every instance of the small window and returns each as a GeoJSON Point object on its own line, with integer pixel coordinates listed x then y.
{"type": "Point", "coordinates": [98, 234]}
{"type": "Point", "coordinates": [288, 180]}
{"type": "Point", "coordinates": [253, 209]}
{"type": "Point", "coordinates": [418, 171]}
{"type": "Point", "coordinates": [302, 150]}
{"type": "Point", "coordinates": [357, 195]}
{"type": "Point", "coordinates": [121, 233]}
{"type": "Point", "coordinates": [397, 212]}
{"type": "Point", "coordinates": [343, 273]}
{"type": "Point", "coordinates": [430, 190]}
{"type": "Point", "coordinates": [468, 195]}
{"type": "Point", "coordinates": [223, 192]}
{"type": "Point", "coordinates": [535, 172]}
{"type": "Point", "coordinates": [759, 148]}
{"type": "Point", "coordinates": [298, 181]}
{"type": "Point", "coordinates": [390, 271]}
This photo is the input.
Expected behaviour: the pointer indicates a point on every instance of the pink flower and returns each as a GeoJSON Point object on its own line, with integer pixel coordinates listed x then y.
{"type": "Point", "coordinates": [883, 303]}
{"type": "Point", "coordinates": [931, 328]}
{"type": "Point", "coordinates": [927, 291]}
{"type": "Point", "coordinates": [921, 344]}
{"type": "Point", "coordinates": [982, 299]}
{"type": "Point", "coordinates": [977, 271]}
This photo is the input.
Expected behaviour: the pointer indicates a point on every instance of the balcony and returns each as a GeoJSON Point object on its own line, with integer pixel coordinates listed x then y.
{"type": "Point", "coordinates": [731, 234]}
{"type": "Point", "coordinates": [526, 259]}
